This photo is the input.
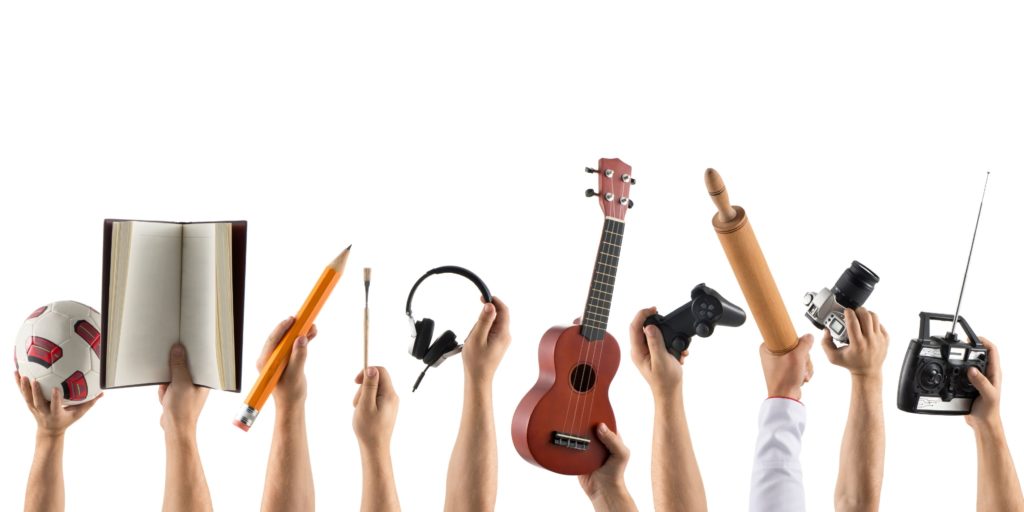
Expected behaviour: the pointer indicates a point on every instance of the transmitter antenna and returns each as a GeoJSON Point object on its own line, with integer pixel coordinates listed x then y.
{"type": "Point", "coordinates": [959, 300]}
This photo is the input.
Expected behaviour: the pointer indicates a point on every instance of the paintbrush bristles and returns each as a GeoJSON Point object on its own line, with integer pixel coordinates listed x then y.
{"type": "Point", "coordinates": [366, 318]}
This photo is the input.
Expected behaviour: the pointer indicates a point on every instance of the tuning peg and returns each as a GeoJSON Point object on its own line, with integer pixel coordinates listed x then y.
{"type": "Point", "coordinates": [624, 200]}
{"type": "Point", "coordinates": [590, 170]}
{"type": "Point", "coordinates": [632, 181]}
{"type": "Point", "coordinates": [591, 193]}
{"type": "Point", "coordinates": [630, 205]}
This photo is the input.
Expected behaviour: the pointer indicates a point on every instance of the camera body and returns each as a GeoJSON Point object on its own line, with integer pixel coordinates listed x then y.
{"type": "Point", "coordinates": [825, 308]}
{"type": "Point", "coordinates": [934, 376]}
{"type": "Point", "coordinates": [705, 310]}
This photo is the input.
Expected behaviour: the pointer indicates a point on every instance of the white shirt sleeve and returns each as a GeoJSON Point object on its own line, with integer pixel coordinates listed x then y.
{"type": "Point", "coordinates": [777, 480]}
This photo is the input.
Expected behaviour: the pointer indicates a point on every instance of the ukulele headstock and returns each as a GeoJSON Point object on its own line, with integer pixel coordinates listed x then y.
{"type": "Point", "coordinates": [614, 179]}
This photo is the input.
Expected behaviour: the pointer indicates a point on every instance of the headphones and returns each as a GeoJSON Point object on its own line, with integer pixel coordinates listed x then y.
{"type": "Point", "coordinates": [445, 346]}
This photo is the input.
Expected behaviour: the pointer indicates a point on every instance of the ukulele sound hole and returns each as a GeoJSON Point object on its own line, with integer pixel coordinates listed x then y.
{"type": "Point", "coordinates": [583, 378]}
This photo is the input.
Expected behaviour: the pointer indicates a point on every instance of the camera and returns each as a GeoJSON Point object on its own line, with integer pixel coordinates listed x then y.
{"type": "Point", "coordinates": [934, 376]}
{"type": "Point", "coordinates": [705, 310]}
{"type": "Point", "coordinates": [825, 308]}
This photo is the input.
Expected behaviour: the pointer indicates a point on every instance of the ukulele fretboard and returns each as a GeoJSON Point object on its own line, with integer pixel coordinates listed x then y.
{"type": "Point", "coordinates": [599, 299]}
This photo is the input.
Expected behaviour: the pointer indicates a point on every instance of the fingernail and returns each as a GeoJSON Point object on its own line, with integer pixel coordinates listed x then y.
{"type": "Point", "coordinates": [603, 428]}
{"type": "Point", "coordinates": [302, 341]}
{"type": "Point", "coordinates": [489, 308]}
{"type": "Point", "coordinates": [177, 349]}
{"type": "Point", "coordinates": [371, 372]}
{"type": "Point", "coordinates": [973, 370]}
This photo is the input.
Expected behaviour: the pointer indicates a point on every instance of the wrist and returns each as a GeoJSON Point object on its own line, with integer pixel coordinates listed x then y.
{"type": "Point", "coordinates": [610, 496]}
{"type": "Point", "coordinates": [479, 378]}
{"type": "Point", "coordinates": [376, 450]}
{"type": "Point", "coordinates": [44, 434]}
{"type": "Point", "coordinates": [988, 428]}
{"type": "Point", "coordinates": [784, 392]}
{"type": "Point", "coordinates": [667, 397]}
{"type": "Point", "coordinates": [180, 434]}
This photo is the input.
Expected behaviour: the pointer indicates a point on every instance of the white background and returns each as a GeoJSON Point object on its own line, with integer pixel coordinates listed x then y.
{"type": "Point", "coordinates": [432, 133]}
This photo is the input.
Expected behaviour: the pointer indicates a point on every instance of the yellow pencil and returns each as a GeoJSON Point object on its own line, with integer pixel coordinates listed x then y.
{"type": "Point", "coordinates": [271, 371]}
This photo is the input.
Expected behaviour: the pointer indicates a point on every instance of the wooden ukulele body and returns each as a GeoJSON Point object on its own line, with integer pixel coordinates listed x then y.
{"type": "Point", "coordinates": [567, 403]}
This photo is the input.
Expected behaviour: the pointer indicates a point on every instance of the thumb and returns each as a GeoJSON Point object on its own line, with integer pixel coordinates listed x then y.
{"type": "Point", "coordinates": [179, 364]}
{"type": "Point", "coordinates": [368, 395]}
{"type": "Point", "coordinates": [612, 441]}
{"type": "Point", "coordinates": [655, 342]}
{"type": "Point", "coordinates": [829, 347]}
{"type": "Point", "coordinates": [297, 360]}
{"type": "Point", "coordinates": [981, 382]}
{"type": "Point", "coordinates": [484, 323]}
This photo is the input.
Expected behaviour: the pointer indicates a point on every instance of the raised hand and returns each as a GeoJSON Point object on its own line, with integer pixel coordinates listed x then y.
{"type": "Point", "coordinates": [487, 342]}
{"type": "Point", "coordinates": [661, 371]}
{"type": "Point", "coordinates": [606, 487]}
{"type": "Point", "coordinates": [52, 417]}
{"type": "Point", "coordinates": [869, 344]}
{"type": "Point", "coordinates": [785, 374]}
{"type": "Point", "coordinates": [182, 400]}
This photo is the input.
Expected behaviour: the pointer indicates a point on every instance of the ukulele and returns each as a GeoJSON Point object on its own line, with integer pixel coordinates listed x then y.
{"type": "Point", "coordinates": [555, 425]}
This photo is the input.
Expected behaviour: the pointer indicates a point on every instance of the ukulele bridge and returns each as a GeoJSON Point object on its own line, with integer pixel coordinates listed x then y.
{"type": "Point", "coordinates": [570, 441]}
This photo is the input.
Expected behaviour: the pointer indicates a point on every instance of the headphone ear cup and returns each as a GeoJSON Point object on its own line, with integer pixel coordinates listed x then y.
{"type": "Point", "coordinates": [424, 333]}
{"type": "Point", "coordinates": [444, 344]}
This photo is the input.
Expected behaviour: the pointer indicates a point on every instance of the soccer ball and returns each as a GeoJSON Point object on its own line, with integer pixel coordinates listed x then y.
{"type": "Point", "coordinates": [59, 346]}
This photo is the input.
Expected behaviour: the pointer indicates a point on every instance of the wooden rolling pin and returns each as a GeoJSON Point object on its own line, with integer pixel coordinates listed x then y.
{"type": "Point", "coordinates": [751, 269]}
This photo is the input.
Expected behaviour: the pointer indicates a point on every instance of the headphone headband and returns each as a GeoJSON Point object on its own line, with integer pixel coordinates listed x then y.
{"type": "Point", "coordinates": [448, 269]}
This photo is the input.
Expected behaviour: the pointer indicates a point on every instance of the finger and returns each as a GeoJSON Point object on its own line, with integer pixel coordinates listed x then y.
{"type": "Point", "coordinates": [483, 325]}
{"type": "Point", "coordinates": [885, 333]}
{"type": "Point", "coordinates": [355, 398]}
{"type": "Point", "coordinates": [637, 338]}
{"type": "Point", "coordinates": [655, 342]}
{"type": "Point", "coordinates": [273, 340]}
{"type": "Point", "coordinates": [982, 383]}
{"type": "Point", "coordinates": [179, 364]}
{"type": "Point", "coordinates": [371, 381]}
{"type": "Point", "coordinates": [25, 386]}
{"type": "Point", "coordinates": [876, 326]}
{"type": "Point", "coordinates": [685, 354]}
{"type": "Point", "coordinates": [829, 347]}
{"type": "Point", "coordinates": [38, 400]}
{"type": "Point", "coordinates": [160, 390]}
{"type": "Point", "coordinates": [866, 323]}
{"type": "Point", "coordinates": [612, 441]}
{"type": "Point", "coordinates": [311, 333]}
{"type": "Point", "coordinates": [994, 368]}
{"type": "Point", "coordinates": [56, 401]}
{"type": "Point", "coordinates": [853, 324]}
{"type": "Point", "coordinates": [502, 318]}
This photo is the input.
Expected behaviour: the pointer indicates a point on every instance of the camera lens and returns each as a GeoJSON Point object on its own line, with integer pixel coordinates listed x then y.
{"type": "Point", "coordinates": [855, 285]}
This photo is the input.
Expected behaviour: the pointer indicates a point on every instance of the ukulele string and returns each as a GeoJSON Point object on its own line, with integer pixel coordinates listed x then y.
{"type": "Point", "coordinates": [604, 261]}
{"type": "Point", "coordinates": [620, 226]}
{"type": "Point", "coordinates": [577, 397]}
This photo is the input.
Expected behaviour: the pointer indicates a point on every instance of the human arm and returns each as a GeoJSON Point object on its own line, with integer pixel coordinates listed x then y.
{"type": "Point", "coordinates": [45, 489]}
{"type": "Point", "coordinates": [862, 457]}
{"type": "Point", "coordinates": [777, 476]}
{"type": "Point", "coordinates": [473, 468]}
{"type": "Point", "coordinates": [675, 475]}
{"type": "Point", "coordinates": [289, 481]}
{"type": "Point", "coordinates": [185, 486]}
{"type": "Point", "coordinates": [376, 408]}
{"type": "Point", "coordinates": [998, 485]}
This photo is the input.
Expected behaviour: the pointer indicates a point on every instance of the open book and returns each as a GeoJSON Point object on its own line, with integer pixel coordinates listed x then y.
{"type": "Point", "coordinates": [165, 282]}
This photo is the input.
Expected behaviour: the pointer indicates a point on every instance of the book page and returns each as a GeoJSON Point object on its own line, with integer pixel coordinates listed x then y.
{"type": "Point", "coordinates": [207, 323]}
{"type": "Point", "coordinates": [149, 298]}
